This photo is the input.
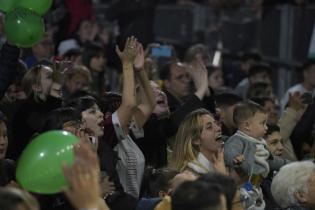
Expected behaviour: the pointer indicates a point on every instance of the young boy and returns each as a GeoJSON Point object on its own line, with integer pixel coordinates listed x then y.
{"type": "Point", "coordinates": [274, 140]}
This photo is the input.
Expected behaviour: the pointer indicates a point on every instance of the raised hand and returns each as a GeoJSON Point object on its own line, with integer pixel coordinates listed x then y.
{"type": "Point", "coordinates": [199, 74]}
{"type": "Point", "coordinates": [130, 51]}
{"type": "Point", "coordinates": [139, 60]}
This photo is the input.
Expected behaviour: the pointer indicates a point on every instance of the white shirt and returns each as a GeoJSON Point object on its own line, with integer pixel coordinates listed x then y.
{"type": "Point", "coordinates": [130, 167]}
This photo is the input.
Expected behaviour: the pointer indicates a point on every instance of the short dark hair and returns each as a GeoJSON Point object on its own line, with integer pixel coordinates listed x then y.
{"type": "Point", "coordinates": [81, 103]}
{"type": "Point", "coordinates": [155, 180]}
{"type": "Point", "coordinates": [245, 110]}
{"type": "Point", "coordinates": [91, 50]}
{"type": "Point", "coordinates": [227, 99]}
{"type": "Point", "coordinates": [258, 90]}
{"type": "Point", "coordinates": [226, 183]}
{"type": "Point", "coordinates": [57, 117]}
{"type": "Point", "coordinates": [272, 128]}
{"type": "Point", "coordinates": [165, 71]}
{"type": "Point", "coordinates": [110, 102]}
{"type": "Point", "coordinates": [259, 68]}
{"type": "Point", "coordinates": [72, 52]}
{"type": "Point", "coordinates": [197, 195]}
{"type": "Point", "coordinates": [307, 64]}
{"type": "Point", "coordinates": [261, 101]}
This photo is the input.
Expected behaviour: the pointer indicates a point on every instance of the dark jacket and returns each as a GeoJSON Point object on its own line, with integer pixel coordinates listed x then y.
{"type": "Point", "coordinates": [9, 56]}
{"type": "Point", "coordinates": [7, 172]}
{"type": "Point", "coordinates": [302, 133]}
{"type": "Point", "coordinates": [29, 120]}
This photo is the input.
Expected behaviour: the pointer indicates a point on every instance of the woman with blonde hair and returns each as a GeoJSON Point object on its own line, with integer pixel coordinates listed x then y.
{"type": "Point", "coordinates": [198, 146]}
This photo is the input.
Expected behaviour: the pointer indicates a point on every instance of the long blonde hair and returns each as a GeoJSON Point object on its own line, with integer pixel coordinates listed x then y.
{"type": "Point", "coordinates": [184, 149]}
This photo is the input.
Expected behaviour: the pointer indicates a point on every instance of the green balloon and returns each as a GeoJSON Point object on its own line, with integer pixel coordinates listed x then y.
{"type": "Point", "coordinates": [39, 168]}
{"type": "Point", "coordinates": [23, 27]}
{"type": "Point", "coordinates": [7, 5]}
{"type": "Point", "coordinates": [38, 6]}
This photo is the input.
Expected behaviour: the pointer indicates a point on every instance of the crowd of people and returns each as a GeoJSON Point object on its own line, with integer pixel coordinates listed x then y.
{"type": "Point", "coordinates": [157, 132]}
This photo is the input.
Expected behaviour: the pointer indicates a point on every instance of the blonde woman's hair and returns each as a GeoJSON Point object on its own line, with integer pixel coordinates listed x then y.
{"type": "Point", "coordinates": [184, 149]}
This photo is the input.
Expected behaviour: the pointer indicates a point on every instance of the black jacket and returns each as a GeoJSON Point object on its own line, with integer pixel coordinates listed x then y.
{"type": "Point", "coordinates": [302, 133]}
{"type": "Point", "coordinates": [9, 56]}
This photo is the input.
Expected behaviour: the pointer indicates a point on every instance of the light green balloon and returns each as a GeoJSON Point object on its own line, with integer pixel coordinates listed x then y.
{"type": "Point", "coordinates": [38, 6]}
{"type": "Point", "coordinates": [39, 168]}
{"type": "Point", "coordinates": [23, 27]}
{"type": "Point", "coordinates": [7, 5]}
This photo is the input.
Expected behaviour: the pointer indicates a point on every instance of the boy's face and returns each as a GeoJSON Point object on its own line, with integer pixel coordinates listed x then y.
{"type": "Point", "coordinates": [274, 143]}
{"type": "Point", "coordinates": [257, 125]}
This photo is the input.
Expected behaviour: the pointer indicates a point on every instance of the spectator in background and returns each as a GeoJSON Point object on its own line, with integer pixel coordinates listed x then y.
{"type": "Point", "coordinates": [74, 56]}
{"type": "Point", "coordinates": [86, 32]}
{"type": "Point", "coordinates": [260, 90]}
{"type": "Point", "coordinates": [197, 51]}
{"type": "Point", "coordinates": [303, 133]}
{"type": "Point", "coordinates": [306, 85]}
{"type": "Point", "coordinates": [270, 107]}
{"type": "Point", "coordinates": [215, 78]}
{"type": "Point", "coordinates": [239, 75]}
{"type": "Point", "coordinates": [176, 83]}
{"type": "Point", "coordinates": [226, 103]}
{"type": "Point", "coordinates": [93, 58]}
{"type": "Point", "coordinates": [257, 73]}
{"type": "Point", "coordinates": [77, 78]}
{"type": "Point", "coordinates": [288, 120]}
{"type": "Point", "coordinates": [41, 51]}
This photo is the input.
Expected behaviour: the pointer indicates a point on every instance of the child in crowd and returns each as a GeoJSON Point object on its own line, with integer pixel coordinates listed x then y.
{"type": "Point", "coordinates": [246, 151]}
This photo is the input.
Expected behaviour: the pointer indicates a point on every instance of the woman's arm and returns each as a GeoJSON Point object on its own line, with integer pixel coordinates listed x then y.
{"type": "Point", "coordinates": [129, 103]}
{"type": "Point", "coordinates": [147, 99]}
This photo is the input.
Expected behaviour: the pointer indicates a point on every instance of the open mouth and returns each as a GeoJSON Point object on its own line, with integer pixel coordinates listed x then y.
{"type": "Point", "coordinates": [160, 100]}
{"type": "Point", "coordinates": [219, 138]}
{"type": "Point", "coordinates": [101, 124]}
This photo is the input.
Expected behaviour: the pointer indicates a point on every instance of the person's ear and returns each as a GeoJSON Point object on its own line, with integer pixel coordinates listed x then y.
{"type": "Point", "coordinates": [245, 125]}
{"type": "Point", "coordinates": [301, 197]}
